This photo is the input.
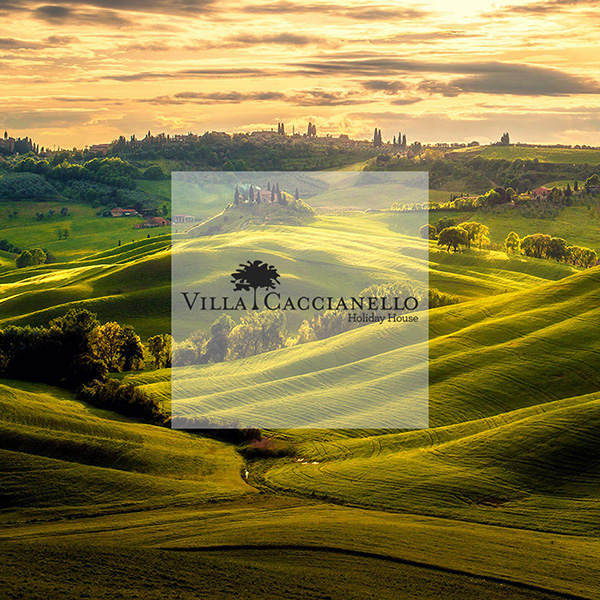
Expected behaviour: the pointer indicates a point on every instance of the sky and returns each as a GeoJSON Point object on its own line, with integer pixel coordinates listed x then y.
{"type": "Point", "coordinates": [80, 72]}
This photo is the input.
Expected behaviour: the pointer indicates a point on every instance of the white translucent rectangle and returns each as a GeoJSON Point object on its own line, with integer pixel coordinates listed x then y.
{"type": "Point", "coordinates": [299, 299]}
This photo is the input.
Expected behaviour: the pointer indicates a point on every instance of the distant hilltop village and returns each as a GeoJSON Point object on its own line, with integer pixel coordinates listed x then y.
{"type": "Point", "coordinates": [178, 144]}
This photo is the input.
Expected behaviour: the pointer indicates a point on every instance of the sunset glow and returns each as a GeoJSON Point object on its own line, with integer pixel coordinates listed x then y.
{"type": "Point", "coordinates": [80, 72]}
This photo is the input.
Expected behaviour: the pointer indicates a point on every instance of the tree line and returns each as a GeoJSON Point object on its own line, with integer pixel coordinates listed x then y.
{"type": "Point", "coordinates": [538, 245]}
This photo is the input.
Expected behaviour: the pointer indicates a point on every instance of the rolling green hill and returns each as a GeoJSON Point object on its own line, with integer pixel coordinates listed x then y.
{"type": "Point", "coordinates": [485, 359]}
{"type": "Point", "coordinates": [87, 233]}
{"type": "Point", "coordinates": [100, 461]}
{"type": "Point", "coordinates": [131, 283]}
{"type": "Point", "coordinates": [498, 499]}
{"type": "Point", "coordinates": [590, 156]}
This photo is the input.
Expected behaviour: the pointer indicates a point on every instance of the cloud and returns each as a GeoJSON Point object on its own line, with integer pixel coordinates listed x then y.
{"type": "Point", "coordinates": [60, 15]}
{"type": "Point", "coordinates": [405, 101]}
{"type": "Point", "coordinates": [381, 85]}
{"type": "Point", "coordinates": [423, 36]}
{"type": "Point", "coordinates": [546, 7]}
{"type": "Point", "coordinates": [481, 77]}
{"type": "Point", "coordinates": [362, 12]}
{"type": "Point", "coordinates": [327, 98]}
{"type": "Point", "coordinates": [36, 119]}
{"type": "Point", "coordinates": [52, 41]}
{"type": "Point", "coordinates": [287, 39]}
{"type": "Point", "coordinates": [207, 73]}
{"type": "Point", "coordinates": [61, 9]}
{"type": "Point", "coordinates": [315, 97]}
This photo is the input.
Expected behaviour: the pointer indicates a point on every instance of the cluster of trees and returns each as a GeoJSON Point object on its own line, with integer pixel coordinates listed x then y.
{"type": "Point", "coordinates": [161, 348]}
{"type": "Point", "coordinates": [253, 194]}
{"type": "Point", "coordinates": [110, 170]}
{"type": "Point", "coordinates": [31, 258]}
{"type": "Point", "coordinates": [480, 174]}
{"type": "Point", "coordinates": [123, 398]}
{"type": "Point", "coordinates": [453, 236]}
{"type": "Point", "coordinates": [71, 350]}
{"type": "Point", "coordinates": [540, 245]}
{"type": "Point", "coordinates": [505, 139]}
{"type": "Point", "coordinates": [19, 146]}
{"type": "Point", "coordinates": [242, 152]}
{"type": "Point", "coordinates": [26, 186]}
{"type": "Point", "coordinates": [400, 141]}
{"type": "Point", "coordinates": [9, 247]}
{"type": "Point", "coordinates": [257, 332]}
{"type": "Point", "coordinates": [528, 204]}
{"type": "Point", "coordinates": [450, 235]}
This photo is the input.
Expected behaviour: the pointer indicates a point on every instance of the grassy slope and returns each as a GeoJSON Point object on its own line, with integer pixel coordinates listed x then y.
{"type": "Point", "coordinates": [286, 549]}
{"type": "Point", "coordinates": [99, 461]}
{"type": "Point", "coordinates": [131, 283]}
{"type": "Point", "coordinates": [87, 232]}
{"type": "Point", "coordinates": [555, 155]}
{"type": "Point", "coordinates": [485, 359]}
{"type": "Point", "coordinates": [524, 452]}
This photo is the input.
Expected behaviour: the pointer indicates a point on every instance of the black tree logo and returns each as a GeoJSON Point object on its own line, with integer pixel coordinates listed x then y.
{"type": "Point", "coordinates": [254, 275]}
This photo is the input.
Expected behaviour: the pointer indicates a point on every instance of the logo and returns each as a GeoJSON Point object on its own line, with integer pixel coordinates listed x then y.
{"type": "Point", "coordinates": [254, 275]}
{"type": "Point", "coordinates": [383, 302]}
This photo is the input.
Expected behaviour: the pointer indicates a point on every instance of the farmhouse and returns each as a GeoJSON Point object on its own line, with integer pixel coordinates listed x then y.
{"type": "Point", "coordinates": [541, 191]}
{"type": "Point", "coordinates": [153, 222]}
{"type": "Point", "coordinates": [123, 212]}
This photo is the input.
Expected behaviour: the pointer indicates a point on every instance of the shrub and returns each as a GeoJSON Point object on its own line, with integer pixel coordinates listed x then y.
{"type": "Point", "coordinates": [123, 398]}
{"type": "Point", "coordinates": [267, 448]}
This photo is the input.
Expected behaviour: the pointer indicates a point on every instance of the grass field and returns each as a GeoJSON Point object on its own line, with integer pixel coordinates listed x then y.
{"type": "Point", "coordinates": [161, 514]}
{"type": "Point", "coordinates": [88, 233]}
{"type": "Point", "coordinates": [131, 283]}
{"type": "Point", "coordinates": [498, 499]}
{"type": "Point", "coordinates": [573, 156]}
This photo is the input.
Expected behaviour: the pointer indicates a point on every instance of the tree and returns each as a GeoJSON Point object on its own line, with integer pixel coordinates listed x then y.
{"type": "Point", "coordinates": [535, 245]}
{"type": "Point", "coordinates": [477, 233]}
{"type": "Point", "coordinates": [160, 346]}
{"type": "Point", "coordinates": [512, 243]}
{"type": "Point", "coordinates": [443, 223]}
{"type": "Point", "coordinates": [428, 232]}
{"type": "Point", "coordinates": [254, 275]}
{"type": "Point", "coordinates": [453, 237]}
{"type": "Point", "coordinates": [557, 249]}
{"type": "Point", "coordinates": [257, 332]}
{"type": "Point", "coordinates": [218, 344]}
{"type": "Point", "coordinates": [25, 259]}
{"type": "Point", "coordinates": [132, 349]}
{"type": "Point", "coordinates": [106, 343]}
{"type": "Point", "coordinates": [39, 256]}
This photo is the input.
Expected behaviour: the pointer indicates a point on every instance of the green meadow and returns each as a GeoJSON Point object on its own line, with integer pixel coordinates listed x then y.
{"type": "Point", "coordinates": [589, 156]}
{"type": "Point", "coordinates": [498, 499]}
{"type": "Point", "coordinates": [87, 232]}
